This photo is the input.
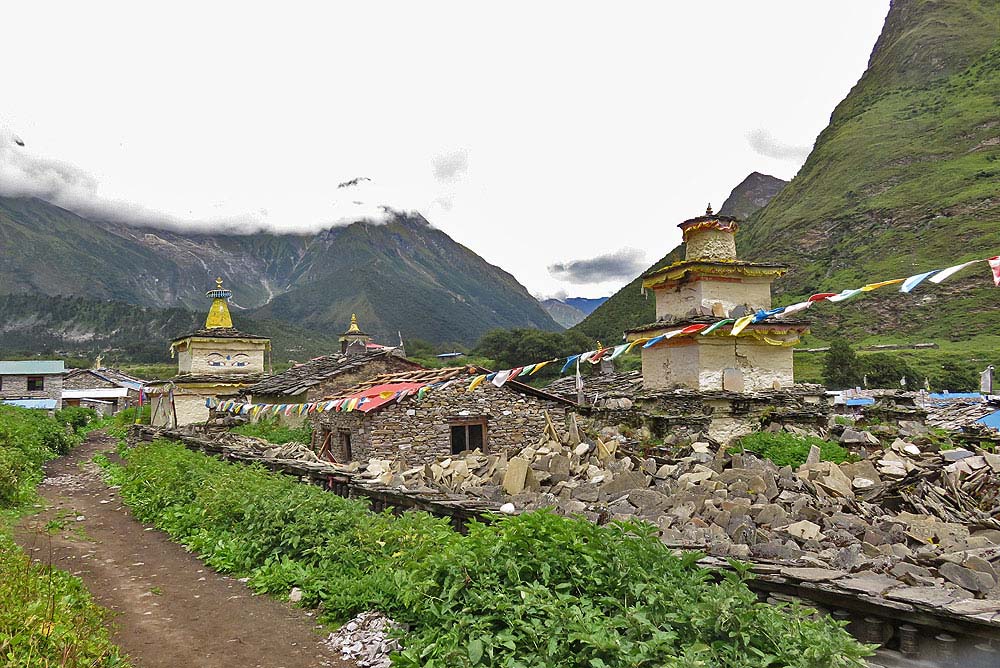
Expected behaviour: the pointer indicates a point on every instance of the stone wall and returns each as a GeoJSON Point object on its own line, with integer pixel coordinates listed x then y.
{"type": "Point", "coordinates": [420, 431]}
{"type": "Point", "coordinates": [86, 381]}
{"type": "Point", "coordinates": [15, 386]}
{"type": "Point", "coordinates": [710, 245]}
{"type": "Point", "coordinates": [689, 296]}
{"type": "Point", "coordinates": [700, 363]}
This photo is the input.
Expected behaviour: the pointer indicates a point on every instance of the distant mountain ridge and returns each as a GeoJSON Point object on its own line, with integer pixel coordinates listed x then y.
{"type": "Point", "coordinates": [751, 195]}
{"type": "Point", "coordinates": [572, 310]}
{"type": "Point", "coordinates": [401, 276]}
{"type": "Point", "coordinates": [902, 181]}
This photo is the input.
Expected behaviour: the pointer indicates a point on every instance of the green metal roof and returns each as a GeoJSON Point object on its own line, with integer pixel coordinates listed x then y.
{"type": "Point", "coordinates": [32, 368]}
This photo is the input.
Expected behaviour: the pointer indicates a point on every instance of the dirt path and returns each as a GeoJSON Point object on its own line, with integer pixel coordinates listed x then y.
{"type": "Point", "coordinates": [172, 610]}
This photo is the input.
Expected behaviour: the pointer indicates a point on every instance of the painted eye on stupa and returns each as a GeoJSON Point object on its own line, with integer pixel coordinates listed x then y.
{"type": "Point", "coordinates": [215, 359]}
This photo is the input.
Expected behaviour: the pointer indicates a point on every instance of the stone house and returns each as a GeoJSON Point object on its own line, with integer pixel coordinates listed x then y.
{"type": "Point", "coordinates": [448, 419]}
{"type": "Point", "coordinates": [32, 383]}
{"type": "Point", "coordinates": [107, 391]}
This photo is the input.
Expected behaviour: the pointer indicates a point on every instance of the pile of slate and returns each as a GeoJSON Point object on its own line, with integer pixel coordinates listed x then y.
{"type": "Point", "coordinates": [366, 641]}
{"type": "Point", "coordinates": [915, 523]}
{"type": "Point", "coordinates": [261, 448]}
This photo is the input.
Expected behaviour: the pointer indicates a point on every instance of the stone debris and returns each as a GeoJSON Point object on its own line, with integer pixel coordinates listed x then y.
{"type": "Point", "coordinates": [260, 447]}
{"type": "Point", "coordinates": [365, 640]}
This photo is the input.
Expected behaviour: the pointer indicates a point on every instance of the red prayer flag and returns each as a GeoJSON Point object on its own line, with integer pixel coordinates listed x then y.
{"type": "Point", "coordinates": [691, 329]}
{"type": "Point", "coordinates": [995, 266]}
{"type": "Point", "coordinates": [823, 295]}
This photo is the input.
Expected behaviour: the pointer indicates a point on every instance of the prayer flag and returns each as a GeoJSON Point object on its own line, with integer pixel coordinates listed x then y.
{"type": "Point", "coordinates": [693, 329]}
{"type": "Point", "coordinates": [422, 392]}
{"type": "Point", "coordinates": [636, 343]}
{"type": "Point", "coordinates": [475, 382]}
{"type": "Point", "coordinates": [501, 377]}
{"type": "Point", "coordinates": [945, 273]}
{"type": "Point", "coordinates": [914, 281]}
{"type": "Point", "coordinates": [711, 328]}
{"type": "Point", "coordinates": [844, 296]}
{"type": "Point", "coordinates": [670, 335]}
{"type": "Point", "coordinates": [526, 371]}
{"type": "Point", "coordinates": [619, 350]}
{"type": "Point", "coordinates": [995, 266]}
{"type": "Point", "coordinates": [741, 324]}
{"type": "Point", "coordinates": [538, 367]}
{"type": "Point", "coordinates": [653, 341]}
{"type": "Point", "coordinates": [569, 363]}
{"type": "Point", "coordinates": [515, 372]}
{"type": "Point", "coordinates": [876, 286]}
{"type": "Point", "coordinates": [795, 308]}
{"type": "Point", "coordinates": [821, 296]}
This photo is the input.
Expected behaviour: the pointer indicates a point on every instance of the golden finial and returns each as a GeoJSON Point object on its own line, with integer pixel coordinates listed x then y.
{"type": "Point", "coordinates": [354, 329]}
{"type": "Point", "coordinates": [600, 346]}
{"type": "Point", "coordinates": [218, 283]}
{"type": "Point", "coordinates": [708, 209]}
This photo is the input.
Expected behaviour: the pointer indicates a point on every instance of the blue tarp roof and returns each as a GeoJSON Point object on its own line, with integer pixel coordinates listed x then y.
{"type": "Point", "coordinates": [991, 420]}
{"type": "Point", "coordinates": [46, 404]}
{"type": "Point", "coordinates": [956, 395]}
{"type": "Point", "coordinates": [32, 367]}
{"type": "Point", "coordinates": [860, 401]}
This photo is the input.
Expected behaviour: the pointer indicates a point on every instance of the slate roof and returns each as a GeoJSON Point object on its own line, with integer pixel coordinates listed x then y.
{"type": "Point", "coordinates": [220, 378]}
{"type": "Point", "coordinates": [110, 375]}
{"type": "Point", "coordinates": [618, 384]}
{"type": "Point", "coordinates": [459, 373]}
{"type": "Point", "coordinates": [301, 377]}
{"type": "Point", "coordinates": [221, 333]}
{"type": "Point", "coordinates": [958, 414]}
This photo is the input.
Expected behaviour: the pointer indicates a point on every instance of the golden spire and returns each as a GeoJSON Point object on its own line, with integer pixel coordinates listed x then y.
{"type": "Point", "coordinates": [353, 329]}
{"type": "Point", "coordinates": [708, 210]}
{"type": "Point", "coordinates": [218, 314]}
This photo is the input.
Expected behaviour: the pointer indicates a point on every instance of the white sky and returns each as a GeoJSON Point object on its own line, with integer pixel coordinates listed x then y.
{"type": "Point", "coordinates": [533, 133]}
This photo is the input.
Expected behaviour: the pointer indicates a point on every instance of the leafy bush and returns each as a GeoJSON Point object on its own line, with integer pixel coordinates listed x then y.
{"type": "Point", "coordinates": [532, 590]}
{"type": "Point", "coordinates": [47, 617]}
{"type": "Point", "coordinates": [76, 417]}
{"type": "Point", "coordinates": [28, 438]}
{"type": "Point", "coordinates": [785, 449]}
{"type": "Point", "coordinates": [272, 430]}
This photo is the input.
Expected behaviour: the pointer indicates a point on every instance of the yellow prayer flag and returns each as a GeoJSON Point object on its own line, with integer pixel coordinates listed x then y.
{"type": "Point", "coordinates": [876, 286]}
{"type": "Point", "coordinates": [475, 382]}
{"type": "Point", "coordinates": [741, 324]}
{"type": "Point", "coordinates": [539, 366]}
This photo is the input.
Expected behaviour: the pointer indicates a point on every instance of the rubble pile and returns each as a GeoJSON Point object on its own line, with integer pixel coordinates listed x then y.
{"type": "Point", "coordinates": [909, 522]}
{"type": "Point", "coordinates": [366, 640]}
{"type": "Point", "coordinates": [262, 448]}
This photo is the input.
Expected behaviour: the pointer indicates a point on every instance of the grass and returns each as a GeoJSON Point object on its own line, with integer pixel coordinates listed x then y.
{"type": "Point", "coordinates": [785, 449]}
{"type": "Point", "coordinates": [274, 431]}
{"type": "Point", "coordinates": [47, 617]}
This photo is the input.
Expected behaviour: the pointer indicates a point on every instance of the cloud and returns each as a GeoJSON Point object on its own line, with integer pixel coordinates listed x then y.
{"type": "Point", "coordinates": [622, 264]}
{"type": "Point", "coordinates": [764, 143]}
{"type": "Point", "coordinates": [26, 174]}
{"type": "Point", "coordinates": [452, 166]}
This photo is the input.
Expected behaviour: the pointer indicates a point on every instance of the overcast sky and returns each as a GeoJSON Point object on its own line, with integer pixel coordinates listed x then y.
{"type": "Point", "coordinates": [562, 141]}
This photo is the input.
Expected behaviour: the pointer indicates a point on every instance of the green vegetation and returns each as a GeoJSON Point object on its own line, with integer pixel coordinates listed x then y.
{"type": "Point", "coordinates": [531, 590]}
{"type": "Point", "coordinates": [47, 617]}
{"type": "Point", "coordinates": [785, 449]}
{"type": "Point", "coordinates": [272, 430]}
{"type": "Point", "coordinates": [841, 368]}
{"type": "Point", "coordinates": [902, 181]}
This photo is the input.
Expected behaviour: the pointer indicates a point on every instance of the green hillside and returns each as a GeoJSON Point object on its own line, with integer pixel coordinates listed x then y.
{"type": "Point", "coordinates": [905, 179]}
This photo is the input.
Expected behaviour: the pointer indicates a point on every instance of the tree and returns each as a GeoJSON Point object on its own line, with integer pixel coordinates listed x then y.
{"type": "Point", "coordinates": [884, 370]}
{"type": "Point", "coordinates": [841, 369]}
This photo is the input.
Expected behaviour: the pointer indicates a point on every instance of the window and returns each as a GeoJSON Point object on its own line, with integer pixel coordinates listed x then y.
{"type": "Point", "coordinates": [345, 445]}
{"type": "Point", "coordinates": [468, 435]}
{"type": "Point", "coordinates": [36, 383]}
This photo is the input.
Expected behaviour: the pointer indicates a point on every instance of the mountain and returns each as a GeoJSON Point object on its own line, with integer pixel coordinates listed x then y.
{"type": "Point", "coordinates": [572, 310]}
{"type": "Point", "coordinates": [751, 195]}
{"type": "Point", "coordinates": [402, 276]}
{"type": "Point", "coordinates": [563, 313]}
{"type": "Point", "coordinates": [126, 333]}
{"type": "Point", "coordinates": [903, 180]}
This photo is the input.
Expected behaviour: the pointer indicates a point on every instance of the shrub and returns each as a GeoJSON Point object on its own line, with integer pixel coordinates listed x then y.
{"type": "Point", "coordinates": [75, 417]}
{"type": "Point", "coordinates": [785, 449]}
{"type": "Point", "coordinates": [532, 590]}
{"type": "Point", "coordinates": [273, 431]}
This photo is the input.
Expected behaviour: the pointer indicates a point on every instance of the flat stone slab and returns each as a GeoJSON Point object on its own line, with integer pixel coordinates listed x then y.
{"type": "Point", "coordinates": [812, 574]}
{"type": "Point", "coordinates": [873, 585]}
{"type": "Point", "coordinates": [937, 597]}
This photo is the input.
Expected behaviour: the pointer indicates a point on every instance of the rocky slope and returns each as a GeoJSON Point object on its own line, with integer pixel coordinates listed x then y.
{"type": "Point", "coordinates": [402, 276]}
{"type": "Point", "coordinates": [751, 195]}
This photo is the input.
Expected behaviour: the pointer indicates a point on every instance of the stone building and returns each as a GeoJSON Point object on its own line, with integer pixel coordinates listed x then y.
{"type": "Point", "coordinates": [447, 419]}
{"type": "Point", "coordinates": [107, 391]}
{"type": "Point", "coordinates": [32, 383]}
{"type": "Point", "coordinates": [709, 285]}
{"type": "Point", "coordinates": [328, 375]}
{"type": "Point", "coordinates": [216, 362]}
